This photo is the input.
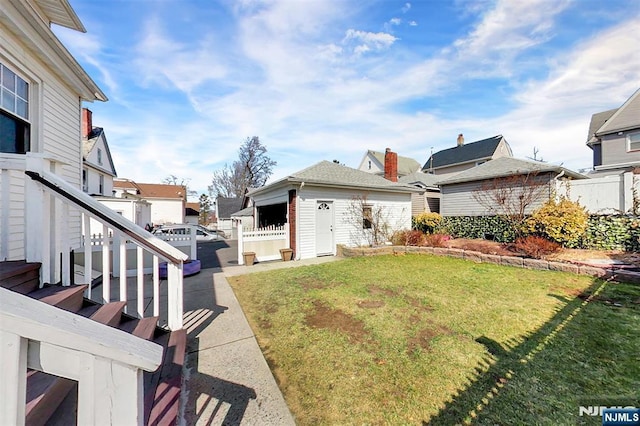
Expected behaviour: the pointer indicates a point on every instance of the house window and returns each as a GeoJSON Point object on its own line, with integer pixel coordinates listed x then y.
{"type": "Point", "coordinates": [101, 189]}
{"type": "Point", "coordinates": [85, 180]}
{"type": "Point", "coordinates": [367, 216]}
{"type": "Point", "coordinates": [14, 112]}
{"type": "Point", "coordinates": [633, 142]}
{"type": "Point", "coordinates": [369, 164]}
{"type": "Point", "coordinates": [99, 156]}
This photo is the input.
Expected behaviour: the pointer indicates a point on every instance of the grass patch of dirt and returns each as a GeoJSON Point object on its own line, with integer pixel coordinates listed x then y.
{"type": "Point", "coordinates": [322, 316]}
{"type": "Point", "coordinates": [419, 339]}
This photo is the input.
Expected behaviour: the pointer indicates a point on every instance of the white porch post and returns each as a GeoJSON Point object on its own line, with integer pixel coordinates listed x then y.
{"type": "Point", "coordinates": [194, 243]}
{"type": "Point", "coordinates": [175, 297]}
{"type": "Point", "coordinates": [13, 381]}
{"type": "Point", "coordinates": [109, 393]}
{"type": "Point", "coordinates": [240, 244]}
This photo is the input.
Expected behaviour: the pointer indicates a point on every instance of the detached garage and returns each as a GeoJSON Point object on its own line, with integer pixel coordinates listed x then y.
{"type": "Point", "coordinates": [329, 204]}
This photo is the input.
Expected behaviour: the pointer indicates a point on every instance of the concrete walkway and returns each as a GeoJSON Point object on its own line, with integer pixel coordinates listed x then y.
{"type": "Point", "coordinates": [228, 380]}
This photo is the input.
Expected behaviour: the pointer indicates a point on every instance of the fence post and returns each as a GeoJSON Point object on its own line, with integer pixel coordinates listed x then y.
{"type": "Point", "coordinates": [174, 296]}
{"type": "Point", "coordinates": [240, 244]}
{"type": "Point", "coordinates": [627, 192]}
{"type": "Point", "coordinates": [194, 243]}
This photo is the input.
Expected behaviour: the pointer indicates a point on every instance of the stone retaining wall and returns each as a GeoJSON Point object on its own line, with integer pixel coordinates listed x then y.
{"type": "Point", "coordinates": [610, 272]}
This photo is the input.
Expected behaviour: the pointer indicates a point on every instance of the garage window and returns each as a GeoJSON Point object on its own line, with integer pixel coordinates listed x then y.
{"type": "Point", "coordinates": [367, 216]}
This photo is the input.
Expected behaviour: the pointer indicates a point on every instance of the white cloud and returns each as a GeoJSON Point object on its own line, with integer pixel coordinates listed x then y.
{"type": "Point", "coordinates": [406, 7]}
{"type": "Point", "coordinates": [413, 24]}
{"type": "Point", "coordinates": [370, 41]}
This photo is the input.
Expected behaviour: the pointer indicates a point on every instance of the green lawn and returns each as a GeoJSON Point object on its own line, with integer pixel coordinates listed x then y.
{"type": "Point", "coordinates": [417, 338]}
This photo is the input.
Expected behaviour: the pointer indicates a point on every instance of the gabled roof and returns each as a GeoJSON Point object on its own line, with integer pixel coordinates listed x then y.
{"type": "Point", "coordinates": [474, 151]}
{"type": "Point", "coordinates": [227, 206]}
{"type": "Point", "coordinates": [507, 166]}
{"type": "Point", "coordinates": [406, 165]}
{"type": "Point", "coordinates": [153, 190]}
{"type": "Point", "coordinates": [426, 180]}
{"type": "Point", "coordinates": [60, 12]}
{"type": "Point", "coordinates": [89, 144]}
{"type": "Point", "coordinates": [597, 121]}
{"type": "Point", "coordinates": [627, 117]}
{"type": "Point", "coordinates": [327, 173]}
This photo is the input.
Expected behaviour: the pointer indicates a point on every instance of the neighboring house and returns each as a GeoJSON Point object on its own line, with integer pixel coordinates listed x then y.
{"type": "Point", "coordinates": [167, 201]}
{"type": "Point", "coordinates": [98, 170]}
{"type": "Point", "coordinates": [130, 207]}
{"type": "Point", "coordinates": [225, 207]}
{"type": "Point", "coordinates": [373, 162]}
{"type": "Point", "coordinates": [457, 192]}
{"type": "Point", "coordinates": [61, 341]}
{"type": "Point", "coordinates": [429, 200]}
{"type": "Point", "coordinates": [324, 205]}
{"type": "Point", "coordinates": [467, 155]}
{"type": "Point", "coordinates": [192, 213]}
{"type": "Point", "coordinates": [614, 137]}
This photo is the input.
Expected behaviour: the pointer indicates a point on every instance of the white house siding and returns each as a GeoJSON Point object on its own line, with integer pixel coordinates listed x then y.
{"type": "Point", "coordinates": [12, 226]}
{"type": "Point", "coordinates": [166, 211]}
{"type": "Point", "coordinates": [397, 208]}
{"type": "Point", "coordinates": [54, 118]}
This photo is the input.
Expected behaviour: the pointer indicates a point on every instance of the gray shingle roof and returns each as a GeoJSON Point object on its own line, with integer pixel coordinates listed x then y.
{"type": "Point", "coordinates": [406, 165]}
{"type": "Point", "coordinates": [327, 173]}
{"type": "Point", "coordinates": [227, 206]}
{"type": "Point", "coordinates": [597, 120]}
{"type": "Point", "coordinates": [426, 179]}
{"type": "Point", "coordinates": [507, 166]}
{"type": "Point", "coordinates": [626, 117]}
{"type": "Point", "coordinates": [474, 151]}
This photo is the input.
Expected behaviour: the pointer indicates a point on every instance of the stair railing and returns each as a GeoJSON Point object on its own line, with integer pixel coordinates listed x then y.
{"type": "Point", "coordinates": [51, 211]}
{"type": "Point", "coordinates": [107, 363]}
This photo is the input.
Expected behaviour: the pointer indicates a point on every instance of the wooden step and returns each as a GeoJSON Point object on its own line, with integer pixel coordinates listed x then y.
{"type": "Point", "coordinates": [109, 314]}
{"type": "Point", "coordinates": [69, 298]}
{"type": "Point", "coordinates": [146, 328]}
{"type": "Point", "coordinates": [45, 392]}
{"type": "Point", "coordinates": [20, 276]}
{"type": "Point", "coordinates": [162, 388]}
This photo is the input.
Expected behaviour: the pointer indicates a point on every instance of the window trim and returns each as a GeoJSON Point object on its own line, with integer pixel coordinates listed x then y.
{"type": "Point", "coordinates": [25, 124]}
{"type": "Point", "coordinates": [367, 216]}
{"type": "Point", "coordinates": [628, 140]}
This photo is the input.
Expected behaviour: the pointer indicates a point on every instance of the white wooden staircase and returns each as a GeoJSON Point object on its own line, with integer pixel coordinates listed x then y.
{"type": "Point", "coordinates": [52, 399]}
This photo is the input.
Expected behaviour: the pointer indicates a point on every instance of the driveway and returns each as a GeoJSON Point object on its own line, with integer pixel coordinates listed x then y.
{"type": "Point", "coordinates": [218, 254]}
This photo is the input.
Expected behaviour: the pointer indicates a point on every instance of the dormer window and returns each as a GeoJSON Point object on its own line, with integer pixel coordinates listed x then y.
{"type": "Point", "coordinates": [14, 112]}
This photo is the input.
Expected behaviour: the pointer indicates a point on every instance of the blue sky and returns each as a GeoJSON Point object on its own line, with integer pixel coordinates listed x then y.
{"type": "Point", "coordinates": [189, 80]}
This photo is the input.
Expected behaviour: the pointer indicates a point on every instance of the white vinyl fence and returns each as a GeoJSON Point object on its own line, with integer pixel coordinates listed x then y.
{"type": "Point", "coordinates": [605, 195]}
{"type": "Point", "coordinates": [264, 242]}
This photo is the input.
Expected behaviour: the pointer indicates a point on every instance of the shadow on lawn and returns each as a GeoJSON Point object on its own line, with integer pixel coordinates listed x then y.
{"type": "Point", "coordinates": [495, 373]}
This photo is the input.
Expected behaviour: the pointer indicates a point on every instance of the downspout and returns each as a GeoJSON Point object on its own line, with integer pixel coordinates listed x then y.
{"type": "Point", "coordinates": [298, 221]}
{"type": "Point", "coordinates": [557, 182]}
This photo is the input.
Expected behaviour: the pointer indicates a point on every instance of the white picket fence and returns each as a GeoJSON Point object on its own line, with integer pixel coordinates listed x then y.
{"type": "Point", "coordinates": [264, 242]}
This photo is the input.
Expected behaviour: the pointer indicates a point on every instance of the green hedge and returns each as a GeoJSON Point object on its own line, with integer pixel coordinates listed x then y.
{"type": "Point", "coordinates": [487, 227]}
{"type": "Point", "coordinates": [612, 232]}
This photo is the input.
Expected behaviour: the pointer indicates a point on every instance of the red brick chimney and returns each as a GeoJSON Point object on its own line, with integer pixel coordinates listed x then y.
{"type": "Point", "coordinates": [460, 140]}
{"type": "Point", "coordinates": [390, 165]}
{"type": "Point", "coordinates": [87, 124]}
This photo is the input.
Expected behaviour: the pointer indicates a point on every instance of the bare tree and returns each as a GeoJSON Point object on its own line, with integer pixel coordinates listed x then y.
{"type": "Point", "coordinates": [175, 180]}
{"type": "Point", "coordinates": [370, 222]}
{"type": "Point", "coordinates": [251, 170]}
{"type": "Point", "coordinates": [511, 197]}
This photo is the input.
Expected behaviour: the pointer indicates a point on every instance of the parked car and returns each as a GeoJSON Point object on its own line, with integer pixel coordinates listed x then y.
{"type": "Point", "coordinates": [202, 233]}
